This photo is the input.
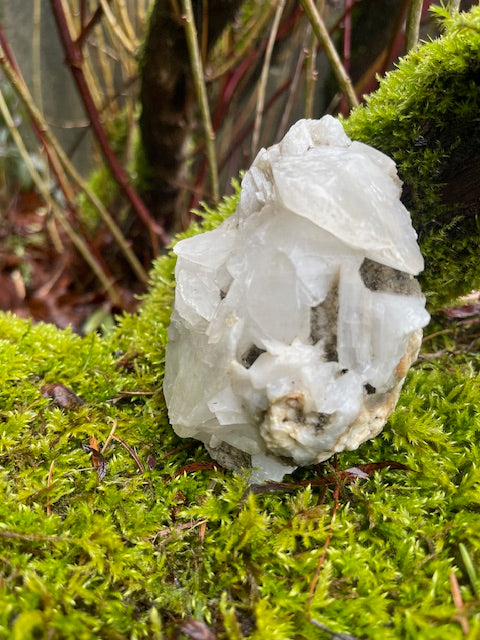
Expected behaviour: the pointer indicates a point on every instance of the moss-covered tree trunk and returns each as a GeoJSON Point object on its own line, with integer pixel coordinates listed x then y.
{"type": "Point", "coordinates": [425, 116]}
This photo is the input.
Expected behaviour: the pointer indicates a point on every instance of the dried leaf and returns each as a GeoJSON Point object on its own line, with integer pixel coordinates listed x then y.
{"type": "Point", "coordinates": [371, 467]}
{"type": "Point", "coordinates": [196, 630]}
{"type": "Point", "coordinates": [98, 460]}
{"type": "Point", "coordinates": [93, 442]}
{"type": "Point", "coordinates": [151, 461]}
{"type": "Point", "coordinates": [356, 472]}
{"type": "Point", "coordinates": [61, 395]}
{"type": "Point", "coordinates": [462, 311]}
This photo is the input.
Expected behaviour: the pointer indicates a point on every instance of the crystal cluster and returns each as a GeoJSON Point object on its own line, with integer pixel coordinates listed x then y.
{"type": "Point", "coordinates": [296, 320]}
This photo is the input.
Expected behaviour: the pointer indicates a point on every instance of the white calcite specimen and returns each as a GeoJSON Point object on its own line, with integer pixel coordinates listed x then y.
{"type": "Point", "coordinates": [296, 320]}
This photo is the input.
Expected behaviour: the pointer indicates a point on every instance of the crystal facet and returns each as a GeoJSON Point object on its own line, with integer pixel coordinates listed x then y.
{"type": "Point", "coordinates": [296, 320]}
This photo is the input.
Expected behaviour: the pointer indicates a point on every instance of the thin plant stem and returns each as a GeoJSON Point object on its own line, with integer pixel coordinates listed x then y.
{"type": "Point", "coordinates": [347, 35]}
{"type": "Point", "coordinates": [396, 36]}
{"type": "Point", "coordinates": [83, 13]}
{"type": "Point", "coordinates": [234, 57]}
{"type": "Point", "coordinates": [36, 58]}
{"type": "Point", "coordinates": [201, 90]}
{"type": "Point", "coordinates": [84, 62]}
{"type": "Point", "coordinates": [347, 48]}
{"type": "Point", "coordinates": [126, 22]}
{"type": "Point", "coordinates": [242, 131]}
{"type": "Point", "coordinates": [323, 36]}
{"type": "Point", "coordinates": [262, 86]}
{"type": "Point", "coordinates": [106, 70]}
{"type": "Point", "coordinates": [112, 225]}
{"type": "Point", "coordinates": [17, 83]}
{"type": "Point", "coordinates": [321, 561]}
{"type": "Point", "coordinates": [142, 13]}
{"type": "Point", "coordinates": [108, 55]}
{"type": "Point", "coordinates": [110, 437]}
{"type": "Point", "coordinates": [384, 59]}
{"type": "Point", "coordinates": [126, 42]}
{"type": "Point", "coordinates": [57, 210]}
{"type": "Point", "coordinates": [49, 484]}
{"type": "Point", "coordinates": [310, 75]}
{"type": "Point", "coordinates": [131, 451]}
{"type": "Point", "coordinates": [458, 602]}
{"type": "Point", "coordinates": [123, 57]}
{"type": "Point", "coordinates": [86, 27]}
{"type": "Point", "coordinates": [412, 29]}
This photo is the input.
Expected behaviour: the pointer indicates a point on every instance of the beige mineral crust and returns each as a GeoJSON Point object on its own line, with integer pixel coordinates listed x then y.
{"type": "Point", "coordinates": [295, 322]}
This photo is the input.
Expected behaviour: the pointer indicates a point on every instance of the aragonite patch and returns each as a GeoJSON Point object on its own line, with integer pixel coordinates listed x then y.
{"type": "Point", "coordinates": [296, 320]}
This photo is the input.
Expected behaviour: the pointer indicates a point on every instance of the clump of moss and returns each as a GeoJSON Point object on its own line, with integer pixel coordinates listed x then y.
{"type": "Point", "coordinates": [425, 116]}
{"type": "Point", "coordinates": [101, 182]}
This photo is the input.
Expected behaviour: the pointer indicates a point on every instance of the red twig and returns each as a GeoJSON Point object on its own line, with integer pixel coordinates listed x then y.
{"type": "Point", "coordinates": [458, 602]}
{"type": "Point", "coordinates": [131, 452]}
{"type": "Point", "coordinates": [341, 19]}
{"type": "Point", "coordinates": [88, 26]}
{"type": "Point", "coordinates": [197, 466]}
{"type": "Point", "coordinates": [313, 584]}
{"type": "Point", "coordinates": [182, 447]}
{"type": "Point", "coordinates": [74, 60]}
{"type": "Point", "coordinates": [347, 49]}
{"type": "Point", "coordinates": [360, 472]}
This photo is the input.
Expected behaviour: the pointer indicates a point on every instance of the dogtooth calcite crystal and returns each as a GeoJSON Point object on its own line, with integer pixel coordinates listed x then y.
{"type": "Point", "coordinates": [296, 320]}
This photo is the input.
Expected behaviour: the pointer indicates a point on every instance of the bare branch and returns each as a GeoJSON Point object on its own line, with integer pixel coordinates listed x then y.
{"type": "Point", "coordinates": [199, 81]}
{"type": "Point", "coordinates": [321, 32]}
{"type": "Point", "coordinates": [264, 77]}
{"type": "Point", "coordinates": [412, 28]}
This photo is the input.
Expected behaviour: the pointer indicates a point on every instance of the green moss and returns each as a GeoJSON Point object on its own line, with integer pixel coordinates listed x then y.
{"type": "Point", "coordinates": [101, 181]}
{"type": "Point", "coordinates": [425, 116]}
{"type": "Point", "coordinates": [122, 557]}
{"type": "Point", "coordinates": [103, 185]}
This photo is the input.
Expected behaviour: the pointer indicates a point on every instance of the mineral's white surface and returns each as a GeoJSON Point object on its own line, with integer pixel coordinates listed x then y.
{"type": "Point", "coordinates": [296, 320]}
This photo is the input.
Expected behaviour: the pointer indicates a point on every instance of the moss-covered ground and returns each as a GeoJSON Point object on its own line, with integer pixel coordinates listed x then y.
{"type": "Point", "coordinates": [139, 540]}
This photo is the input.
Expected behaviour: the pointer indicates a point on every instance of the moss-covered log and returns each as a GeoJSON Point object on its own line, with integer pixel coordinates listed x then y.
{"type": "Point", "coordinates": [132, 542]}
{"type": "Point", "coordinates": [425, 115]}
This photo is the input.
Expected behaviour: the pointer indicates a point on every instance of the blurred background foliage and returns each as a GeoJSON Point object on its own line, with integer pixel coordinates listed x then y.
{"type": "Point", "coordinates": [119, 117]}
